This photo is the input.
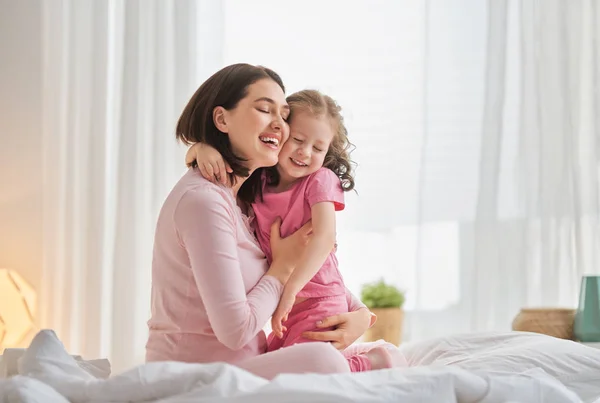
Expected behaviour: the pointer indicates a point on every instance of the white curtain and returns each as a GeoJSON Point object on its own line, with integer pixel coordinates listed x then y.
{"type": "Point", "coordinates": [477, 144]}
{"type": "Point", "coordinates": [535, 228]}
{"type": "Point", "coordinates": [116, 75]}
{"type": "Point", "coordinates": [476, 126]}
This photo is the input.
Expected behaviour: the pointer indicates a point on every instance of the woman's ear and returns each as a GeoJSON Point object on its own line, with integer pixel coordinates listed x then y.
{"type": "Point", "coordinates": [219, 119]}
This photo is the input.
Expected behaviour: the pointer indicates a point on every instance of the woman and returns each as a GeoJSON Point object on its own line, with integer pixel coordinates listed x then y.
{"type": "Point", "coordinates": [212, 292]}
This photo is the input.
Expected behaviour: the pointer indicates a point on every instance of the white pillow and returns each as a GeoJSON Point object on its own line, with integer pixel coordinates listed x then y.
{"type": "Point", "coordinates": [575, 365]}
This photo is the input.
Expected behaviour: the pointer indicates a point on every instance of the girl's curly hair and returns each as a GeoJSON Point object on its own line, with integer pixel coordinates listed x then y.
{"type": "Point", "coordinates": [338, 156]}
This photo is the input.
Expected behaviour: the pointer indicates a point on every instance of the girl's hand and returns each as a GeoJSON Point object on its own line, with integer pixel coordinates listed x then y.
{"type": "Point", "coordinates": [281, 313]}
{"type": "Point", "coordinates": [209, 161]}
{"type": "Point", "coordinates": [349, 327]}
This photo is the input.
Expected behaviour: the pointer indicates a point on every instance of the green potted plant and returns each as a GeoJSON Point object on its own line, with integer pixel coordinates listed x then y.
{"type": "Point", "coordinates": [385, 301]}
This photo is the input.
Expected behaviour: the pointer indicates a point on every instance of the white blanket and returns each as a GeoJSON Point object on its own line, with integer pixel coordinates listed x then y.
{"type": "Point", "coordinates": [49, 374]}
{"type": "Point", "coordinates": [573, 364]}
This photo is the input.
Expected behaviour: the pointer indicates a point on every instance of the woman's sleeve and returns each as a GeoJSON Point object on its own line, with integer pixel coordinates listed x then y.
{"type": "Point", "coordinates": [354, 304]}
{"type": "Point", "coordinates": [207, 230]}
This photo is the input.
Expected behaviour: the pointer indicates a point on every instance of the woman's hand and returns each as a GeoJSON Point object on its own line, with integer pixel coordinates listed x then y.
{"type": "Point", "coordinates": [349, 327]}
{"type": "Point", "coordinates": [286, 252]}
{"type": "Point", "coordinates": [210, 162]}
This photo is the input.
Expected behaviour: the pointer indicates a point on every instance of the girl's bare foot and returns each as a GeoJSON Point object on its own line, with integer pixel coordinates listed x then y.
{"type": "Point", "coordinates": [379, 357]}
{"type": "Point", "coordinates": [397, 358]}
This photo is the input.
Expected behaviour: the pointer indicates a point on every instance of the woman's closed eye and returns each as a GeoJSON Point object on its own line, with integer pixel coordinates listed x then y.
{"type": "Point", "coordinates": [283, 117]}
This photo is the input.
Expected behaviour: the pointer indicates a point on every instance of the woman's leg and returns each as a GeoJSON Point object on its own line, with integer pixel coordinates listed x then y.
{"type": "Point", "coordinates": [321, 358]}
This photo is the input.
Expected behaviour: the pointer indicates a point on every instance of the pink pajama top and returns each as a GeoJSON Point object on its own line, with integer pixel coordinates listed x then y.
{"type": "Point", "coordinates": [210, 297]}
{"type": "Point", "coordinates": [294, 207]}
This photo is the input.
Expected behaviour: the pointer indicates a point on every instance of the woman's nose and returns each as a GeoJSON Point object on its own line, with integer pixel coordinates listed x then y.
{"type": "Point", "coordinates": [277, 124]}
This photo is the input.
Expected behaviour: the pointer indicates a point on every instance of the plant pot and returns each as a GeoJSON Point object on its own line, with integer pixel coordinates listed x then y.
{"type": "Point", "coordinates": [388, 325]}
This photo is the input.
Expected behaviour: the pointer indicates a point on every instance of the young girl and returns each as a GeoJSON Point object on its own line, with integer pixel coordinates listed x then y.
{"type": "Point", "coordinates": [308, 183]}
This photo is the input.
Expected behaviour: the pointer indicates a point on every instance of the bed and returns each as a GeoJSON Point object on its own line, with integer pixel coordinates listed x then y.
{"type": "Point", "coordinates": [486, 368]}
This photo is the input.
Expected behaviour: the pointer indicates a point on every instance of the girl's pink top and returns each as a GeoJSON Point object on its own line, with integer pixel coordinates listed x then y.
{"type": "Point", "coordinates": [294, 207]}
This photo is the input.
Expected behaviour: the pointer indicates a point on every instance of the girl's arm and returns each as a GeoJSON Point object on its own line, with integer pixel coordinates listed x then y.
{"type": "Point", "coordinates": [319, 247]}
{"type": "Point", "coordinates": [209, 161]}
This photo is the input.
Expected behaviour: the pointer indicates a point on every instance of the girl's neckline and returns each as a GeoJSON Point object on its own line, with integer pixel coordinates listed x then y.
{"type": "Point", "coordinates": [272, 189]}
{"type": "Point", "coordinates": [275, 192]}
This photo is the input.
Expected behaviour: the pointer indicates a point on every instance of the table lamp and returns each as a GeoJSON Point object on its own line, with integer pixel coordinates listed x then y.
{"type": "Point", "coordinates": [17, 308]}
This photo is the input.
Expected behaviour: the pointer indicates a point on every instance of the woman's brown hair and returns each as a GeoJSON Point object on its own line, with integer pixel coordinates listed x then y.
{"type": "Point", "coordinates": [225, 88]}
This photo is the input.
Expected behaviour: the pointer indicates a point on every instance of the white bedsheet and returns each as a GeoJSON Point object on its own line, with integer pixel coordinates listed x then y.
{"type": "Point", "coordinates": [49, 374]}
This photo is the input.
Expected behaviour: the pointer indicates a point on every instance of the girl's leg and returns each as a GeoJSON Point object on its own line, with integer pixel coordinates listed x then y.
{"type": "Point", "coordinates": [321, 358]}
{"type": "Point", "coordinates": [376, 358]}
{"type": "Point", "coordinates": [359, 363]}
{"type": "Point", "coordinates": [304, 316]}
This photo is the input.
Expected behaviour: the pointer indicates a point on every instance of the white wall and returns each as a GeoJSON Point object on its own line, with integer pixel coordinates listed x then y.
{"type": "Point", "coordinates": [21, 138]}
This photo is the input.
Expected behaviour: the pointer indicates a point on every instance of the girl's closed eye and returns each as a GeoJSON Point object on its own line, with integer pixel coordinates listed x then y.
{"type": "Point", "coordinates": [297, 140]}
{"type": "Point", "coordinates": [318, 149]}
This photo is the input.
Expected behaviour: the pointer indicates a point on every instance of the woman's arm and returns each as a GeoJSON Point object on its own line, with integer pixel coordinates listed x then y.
{"type": "Point", "coordinates": [349, 326]}
{"type": "Point", "coordinates": [206, 226]}
{"type": "Point", "coordinates": [354, 304]}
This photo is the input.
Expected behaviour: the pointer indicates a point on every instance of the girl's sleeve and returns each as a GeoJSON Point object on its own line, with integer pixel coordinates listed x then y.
{"type": "Point", "coordinates": [325, 186]}
{"type": "Point", "coordinates": [207, 229]}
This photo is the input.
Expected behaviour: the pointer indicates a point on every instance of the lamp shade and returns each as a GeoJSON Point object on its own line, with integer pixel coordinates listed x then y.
{"type": "Point", "coordinates": [17, 308]}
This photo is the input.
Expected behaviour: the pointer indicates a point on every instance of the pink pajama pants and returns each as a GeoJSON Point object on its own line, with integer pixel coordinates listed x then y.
{"type": "Point", "coordinates": [304, 316]}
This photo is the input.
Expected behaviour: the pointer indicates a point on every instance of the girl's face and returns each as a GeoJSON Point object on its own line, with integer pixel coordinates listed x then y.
{"type": "Point", "coordinates": [303, 154]}
{"type": "Point", "coordinates": [257, 126]}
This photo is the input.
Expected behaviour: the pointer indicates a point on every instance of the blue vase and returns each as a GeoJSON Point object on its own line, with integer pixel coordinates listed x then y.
{"type": "Point", "coordinates": [587, 319]}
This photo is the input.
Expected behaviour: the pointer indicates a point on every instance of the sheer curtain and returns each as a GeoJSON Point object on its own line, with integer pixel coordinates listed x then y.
{"type": "Point", "coordinates": [535, 229]}
{"type": "Point", "coordinates": [116, 75]}
{"type": "Point", "coordinates": [476, 135]}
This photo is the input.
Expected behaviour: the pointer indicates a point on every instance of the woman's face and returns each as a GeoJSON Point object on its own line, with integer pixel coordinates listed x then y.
{"type": "Point", "coordinates": [257, 126]}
